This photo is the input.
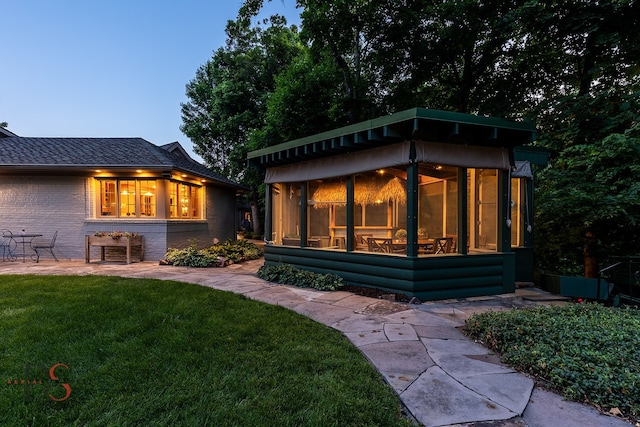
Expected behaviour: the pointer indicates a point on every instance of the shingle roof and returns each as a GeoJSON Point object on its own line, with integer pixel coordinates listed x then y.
{"type": "Point", "coordinates": [74, 153]}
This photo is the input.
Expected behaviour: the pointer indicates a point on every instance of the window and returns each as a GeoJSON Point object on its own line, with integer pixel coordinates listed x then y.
{"type": "Point", "coordinates": [285, 199]}
{"type": "Point", "coordinates": [184, 200]}
{"type": "Point", "coordinates": [482, 217]}
{"type": "Point", "coordinates": [127, 198]}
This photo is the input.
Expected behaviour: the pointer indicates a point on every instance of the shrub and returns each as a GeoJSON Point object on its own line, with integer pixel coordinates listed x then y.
{"type": "Point", "coordinates": [588, 352]}
{"type": "Point", "coordinates": [230, 251]}
{"type": "Point", "coordinates": [290, 275]}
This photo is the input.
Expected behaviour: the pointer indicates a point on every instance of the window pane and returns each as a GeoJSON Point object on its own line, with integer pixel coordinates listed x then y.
{"type": "Point", "coordinates": [108, 198]}
{"type": "Point", "coordinates": [148, 194]}
{"type": "Point", "coordinates": [173, 200]}
{"type": "Point", "coordinates": [286, 213]}
{"type": "Point", "coordinates": [185, 197]}
{"type": "Point", "coordinates": [128, 198]}
{"type": "Point", "coordinates": [482, 188]}
{"type": "Point", "coordinates": [195, 202]}
{"type": "Point", "coordinates": [321, 233]}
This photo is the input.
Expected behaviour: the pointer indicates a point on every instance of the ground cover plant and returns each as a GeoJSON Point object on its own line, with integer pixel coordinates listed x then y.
{"type": "Point", "coordinates": [287, 274]}
{"type": "Point", "coordinates": [151, 352]}
{"type": "Point", "coordinates": [220, 254]}
{"type": "Point", "coordinates": [587, 352]}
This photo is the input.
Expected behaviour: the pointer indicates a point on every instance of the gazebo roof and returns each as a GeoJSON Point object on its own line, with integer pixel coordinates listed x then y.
{"type": "Point", "coordinates": [414, 124]}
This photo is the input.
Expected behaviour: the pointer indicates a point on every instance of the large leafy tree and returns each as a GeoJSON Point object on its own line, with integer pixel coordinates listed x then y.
{"type": "Point", "coordinates": [588, 113]}
{"type": "Point", "coordinates": [228, 96]}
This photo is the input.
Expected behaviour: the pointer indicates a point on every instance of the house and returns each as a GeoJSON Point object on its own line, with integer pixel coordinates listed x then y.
{"type": "Point", "coordinates": [428, 203]}
{"type": "Point", "coordinates": [79, 186]}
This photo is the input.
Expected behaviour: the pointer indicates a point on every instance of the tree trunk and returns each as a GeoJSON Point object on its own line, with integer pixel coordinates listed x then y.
{"type": "Point", "coordinates": [590, 259]}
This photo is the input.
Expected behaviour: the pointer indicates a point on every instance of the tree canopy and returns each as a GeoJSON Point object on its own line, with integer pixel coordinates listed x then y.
{"type": "Point", "coordinates": [572, 67]}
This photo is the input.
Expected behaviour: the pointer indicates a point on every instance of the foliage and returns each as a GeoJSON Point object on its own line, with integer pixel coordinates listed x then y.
{"type": "Point", "coordinates": [290, 275]}
{"type": "Point", "coordinates": [115, 234]}
{"type": "Point", "coordinates": [154, 352]}
{"type": "Point", "coordinates": [231, 251]}
{"type": "Point", "coordinates": [227, 97]}
{"type": "Point", "coordinates": [592, 187]}
{"type": "Point", "coordinates": [571, 67]}
{"type": "Point", "coordinates": [586, 351]}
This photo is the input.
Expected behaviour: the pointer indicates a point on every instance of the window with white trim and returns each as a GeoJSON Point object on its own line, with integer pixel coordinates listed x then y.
{"type": "Point", "coordinates": [127, 198]}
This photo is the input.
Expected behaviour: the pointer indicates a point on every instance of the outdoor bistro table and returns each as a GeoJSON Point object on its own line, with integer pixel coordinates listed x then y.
{"type": "Point", "coordinates": [24, 237]}
{"type": "Point", "coordinates": [107, 241]}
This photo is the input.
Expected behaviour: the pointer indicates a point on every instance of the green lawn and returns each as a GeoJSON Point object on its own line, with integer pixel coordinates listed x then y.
{"type": "Point", "coordinates": [587, 352]}
{"type": "Point", "coordinates": [151, 352]}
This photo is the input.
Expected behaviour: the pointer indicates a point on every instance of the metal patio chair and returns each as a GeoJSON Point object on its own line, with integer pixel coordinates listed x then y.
{"type": "Point", "coordinates": [39, 245]}
{"type": "Point", "coordinates": [7, 245]}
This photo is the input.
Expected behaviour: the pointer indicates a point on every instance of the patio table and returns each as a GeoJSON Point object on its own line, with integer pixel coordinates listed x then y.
{"type": "Point", "coordinates": [22, 238]}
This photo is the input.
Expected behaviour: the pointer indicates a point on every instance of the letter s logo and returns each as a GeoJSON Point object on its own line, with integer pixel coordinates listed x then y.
{"type": "Point", "coordinates": [66, 386]}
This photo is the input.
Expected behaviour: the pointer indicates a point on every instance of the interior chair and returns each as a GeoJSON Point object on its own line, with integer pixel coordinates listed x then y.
{"type": "Point", "coordinates": [361, 242]}
{"type": "Point", "coordinates": [379, 245]}
{"type": "Point", "coordinates": [38, 245]}
{"type": "Point", "coordinates": [7, 245]}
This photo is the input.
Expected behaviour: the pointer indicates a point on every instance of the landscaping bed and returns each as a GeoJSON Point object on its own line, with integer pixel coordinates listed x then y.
{"type": "Point", "coordinates": [218, 255]}
{"type": "Point", "coordinates": [585, 351]}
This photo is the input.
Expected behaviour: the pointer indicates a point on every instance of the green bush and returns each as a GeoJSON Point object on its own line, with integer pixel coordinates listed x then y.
{"type": "Point", "coordinates": [290, 275]}
{"type": "Point", "coordinates": [232, 251]}
{"type": "Point", "coordinates": [587, 352]}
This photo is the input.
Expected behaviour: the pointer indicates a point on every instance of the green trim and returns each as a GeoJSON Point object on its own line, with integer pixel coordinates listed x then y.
{"type": "Point", "coordinates": [534, 155]}
{"type": "Point", "coordinates": [416, 123]}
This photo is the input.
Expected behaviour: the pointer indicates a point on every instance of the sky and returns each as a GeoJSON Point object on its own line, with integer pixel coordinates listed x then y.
{"type": "Point", "coordinates": [117, 68]}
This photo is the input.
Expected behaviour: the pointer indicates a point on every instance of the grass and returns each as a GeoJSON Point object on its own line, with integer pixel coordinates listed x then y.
{"type": "Point", "coordinates": [151, 352]}
{"type": "Point", "coordinates": [587, 352]}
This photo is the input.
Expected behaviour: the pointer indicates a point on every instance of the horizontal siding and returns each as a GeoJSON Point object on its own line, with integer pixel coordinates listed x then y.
{"type": "Point", "coordinates": [427, 278]}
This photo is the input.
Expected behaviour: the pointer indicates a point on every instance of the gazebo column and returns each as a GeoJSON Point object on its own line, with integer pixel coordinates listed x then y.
{"type": "Point", "coordinates": [350, 223]}
{"type": "Point", "coordinates": [412, 206]}
{"type": "Point", "coordinates": [268, 213]}
{"type": "Point", "coordinates": [463, 212]}
{"type": "Point", "coordinates": [504, 208]}
{"type": "Point", "coordinates": [303, 214]}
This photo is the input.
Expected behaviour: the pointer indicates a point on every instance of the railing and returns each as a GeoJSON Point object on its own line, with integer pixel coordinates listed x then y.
{"type": "Point", "coordinates": [623, 277]}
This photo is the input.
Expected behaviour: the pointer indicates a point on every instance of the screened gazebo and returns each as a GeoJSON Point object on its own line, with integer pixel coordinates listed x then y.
{"type": "Point", "coordinates": [428, 203]}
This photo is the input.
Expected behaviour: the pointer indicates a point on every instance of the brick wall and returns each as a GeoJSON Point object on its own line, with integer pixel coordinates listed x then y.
{"type": "Point", "coordinates": [44, 204]}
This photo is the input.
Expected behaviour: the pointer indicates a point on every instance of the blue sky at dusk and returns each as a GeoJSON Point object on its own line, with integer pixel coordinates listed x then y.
{"type": "Point", "coordinates": [115, 68]}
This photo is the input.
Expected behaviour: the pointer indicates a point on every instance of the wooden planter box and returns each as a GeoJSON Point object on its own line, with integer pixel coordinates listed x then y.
{"type": "Point", "coordinates": [106, 242]}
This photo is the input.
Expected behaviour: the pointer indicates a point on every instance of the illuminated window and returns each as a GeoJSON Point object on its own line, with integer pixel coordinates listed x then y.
{"type": "Point", "coordinates": [184, 200]}
{"type": "Point", "coordinates": [108, 198]}
{"type": "Point", "coordinates": [127, 198]}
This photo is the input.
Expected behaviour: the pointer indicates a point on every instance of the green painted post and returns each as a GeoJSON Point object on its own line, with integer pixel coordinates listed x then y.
{"type": "Point", "coordinates": [268, 225]}
{"type": "Point", "coordinates": [303, 214]}
{"type": "Point", "coordinates": [504, 208]}
{"type": "Point", "coordinates": [412, 205]}
{"type": "Point", "coordinates": [350, 209]}
{"type": "Point", "coordinates": [463, 208]}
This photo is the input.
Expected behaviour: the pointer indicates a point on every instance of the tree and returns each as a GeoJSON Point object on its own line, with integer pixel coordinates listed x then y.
{"type": "Point", "coordinates": [590, 52]}
{"type": "Point", "coordinates": [606, 206]}
{"type": "Point", "coordinates": [228, 96]}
